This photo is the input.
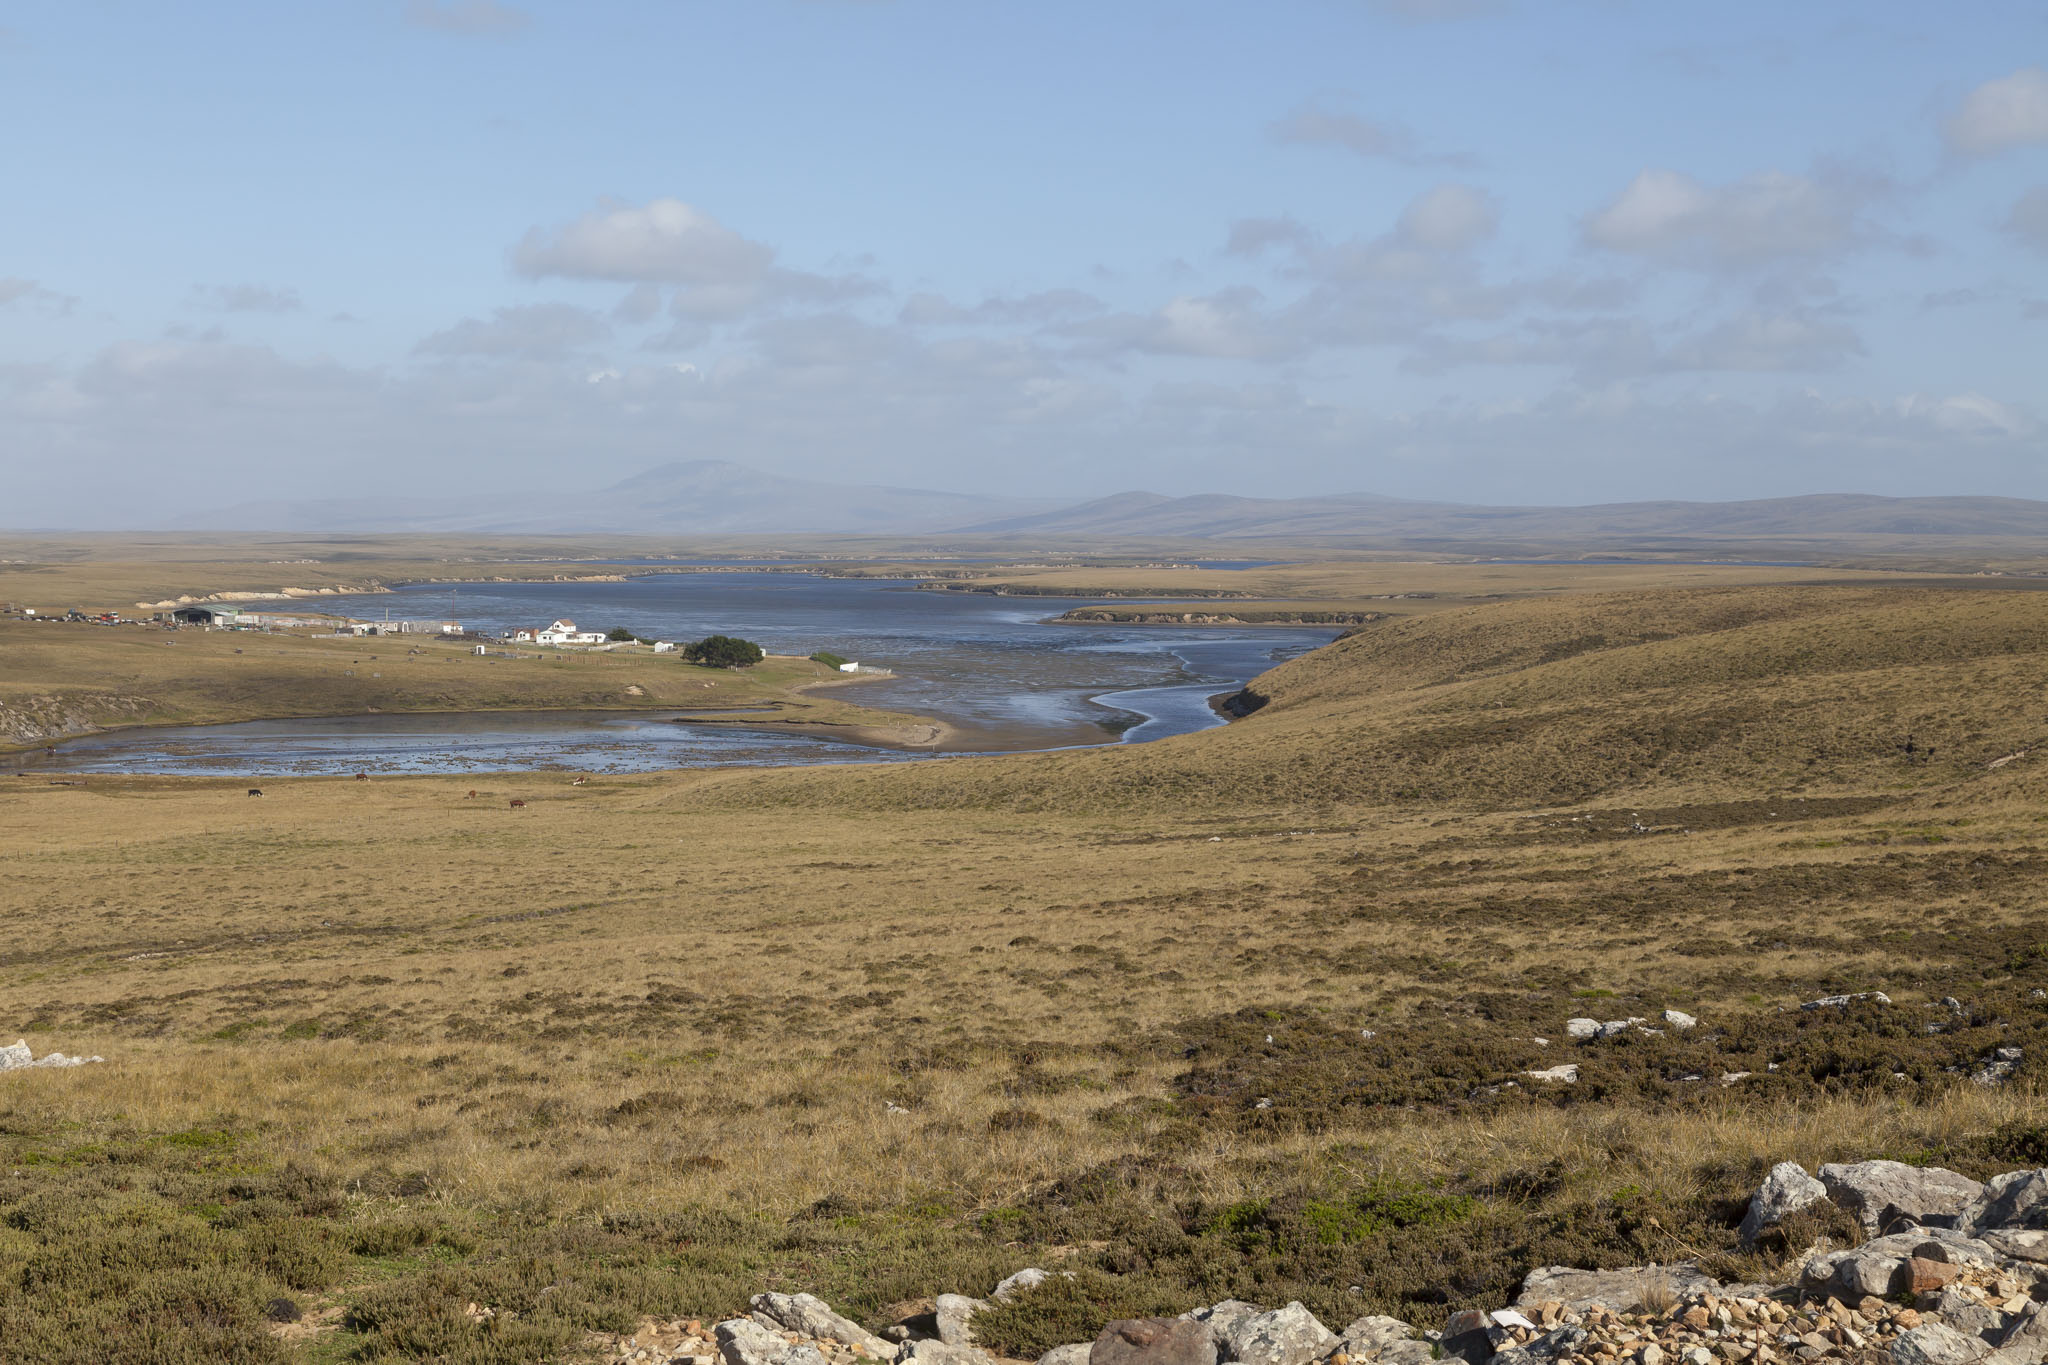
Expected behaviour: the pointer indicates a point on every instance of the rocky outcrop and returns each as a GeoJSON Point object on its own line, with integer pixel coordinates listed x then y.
{"type": "Point", "coordinates": [18, 1057]}
{"type": "Point", "coordinates": [1154, 1341]}
{"type": "Point", "coordinates": [1784, 1192]}
{"type": "Point", "coordinates": [1619, 1291]}
{"type": "Point", "coordinates": [742, 1341]}
{"type": "Point", "coordinates": [813, 1317]}
{"type": "Point", "coordinates": [1916, 1295]}
{"type": "Point", "coordinates": [1878, 1192]}
{"type": "Point", "coordinates": [1285, 1336]}
{"type": "Point", "coordinates": [955, 1315]}
{"type": "Point", "coordinates": [41, 718]}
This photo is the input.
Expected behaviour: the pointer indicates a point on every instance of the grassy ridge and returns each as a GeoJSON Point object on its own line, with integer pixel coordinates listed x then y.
{"type": "Point", "coordinates": [59, 675]}
{"type": "Point", "coordinates": [642, 1045]}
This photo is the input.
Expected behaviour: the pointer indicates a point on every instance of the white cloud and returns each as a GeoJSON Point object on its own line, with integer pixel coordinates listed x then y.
{"type": "Point", "coordinates": [1029, 310]}
{"type": "Point", "coordinates": [1760, 218]}
{"type": "Point", "coordinates": [14, 289]}
{"type": "Point", "coordinates": [1228, 324]}
{"type": "Point", "coordinates": [1437, 11]}
{"type": "Point", "coordinates": [480, 18]}
{"type": "Point", "coordinates": [1968, 414]}
{"type": "Point", "coordinates": [1315, 123]}
{"type": "Point", "coordinates": [249, 298]}
{"type": "Point", "coordinates": [641, 303]}
{"type": "Point", "coordinates": [1251, 236]}
{"type": "Point", "coordinates": [1766, 342]}
{"type": "Point", "coordinates": [719, 274]}
{"type": "Point", "coordinates": [664, 241]}
{"type": "Point", "coordinates": [1449, 218]}
{"type": "Point", "coordinates": [537, 329]}
{"type": "Point", "coordinates": [2028, 220]}
{"type": "Point", "coordinates": [2011, 111]}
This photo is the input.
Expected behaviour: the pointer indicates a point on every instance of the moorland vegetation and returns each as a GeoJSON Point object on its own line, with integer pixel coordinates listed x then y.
{"type": "Point", "coordinates": [1244, 1013]}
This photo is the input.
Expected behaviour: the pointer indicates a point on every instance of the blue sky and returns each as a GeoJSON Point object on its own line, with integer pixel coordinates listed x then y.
{"type": "Point", "coordinates": [1583, 250]}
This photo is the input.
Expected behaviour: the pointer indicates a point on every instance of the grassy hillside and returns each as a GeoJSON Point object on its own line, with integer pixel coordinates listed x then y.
{"type": "Point", "coordinates": [1672, 696]}
{"type": "Point", "coordinates": [1247, 1012]}
{"type": "Point", "coordinates": [59, 678]}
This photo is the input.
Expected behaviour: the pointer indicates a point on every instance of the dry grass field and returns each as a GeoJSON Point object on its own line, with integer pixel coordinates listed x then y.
{"type": "Point", "coordinates": [62, 677]}
{"type": "Point", "coordinates": [1246, 1012]}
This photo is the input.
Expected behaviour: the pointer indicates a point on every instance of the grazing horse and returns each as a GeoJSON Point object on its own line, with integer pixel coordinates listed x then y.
{"type": "Point", "coordinates": [471, 796]}
{"type": "Point", "coordinates": [255, 791]}
{"type": "Point", "coordinates": [579, 782]}
{"type": "Point", "coordinates": [362, 777]}
{"type": "Point", "coordinates": [517, 804]}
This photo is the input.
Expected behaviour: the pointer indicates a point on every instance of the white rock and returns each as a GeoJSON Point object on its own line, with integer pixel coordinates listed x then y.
{"type": "Point", "coordinates": [1868, 1188]}
{"type": "Point", "coordinates": [742, 1341]}
{"type": "Point", "coordinates": [1786, 1190]}
{"type": "Point", "coordinates": [812, 1316]}
{"type": "Point", "coordinates": [1679, 1019]}
{"type": "Point", "coordinates": [1285, 1336]}
{"type": "Point", "coordinates": [1568, 1073]}
{"type": "Point", "coordinates": [955, 1314]}
{"type": "Point", "coordinates": [1018, 1283]}
{"type": "Point", "coordinates": [1581, 1028]}
{"type": "Point", "coordinates": [16, 1056]}
{"type": "Point", "coordinates": [1934, 1343]}
{"type": "Point", "coordinates": [1840, 1001]}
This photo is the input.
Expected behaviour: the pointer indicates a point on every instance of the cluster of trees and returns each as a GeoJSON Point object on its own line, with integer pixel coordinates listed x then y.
{"type": "Point", "coordinates": [713, 651]}
{"type": "Point", "coordinates": [723, 651]}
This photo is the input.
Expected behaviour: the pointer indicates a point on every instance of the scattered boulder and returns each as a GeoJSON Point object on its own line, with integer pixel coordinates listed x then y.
{"type": "Point", "coordinates": [1154, 1341]}
{"type": "Point", "coordinates": [1618, 1291]}
{"type": "Point", "coordinates": [1614, 1028]}
{"type": "Point", "coordinates": [1998, 1067]}
{"type": "Point", "coordinates": [1371, 1337]}
{"type": "Point", "coordinates": [1018, 1283]}
{"type": "Point", "coordinates": [1679, 1019]}
{"type": "Point", "coordinates": [2027, 1338]}
{"type": "Point", "coordinates": [2016, 1200]}
{"type": "Point", "coordinates": [1934, 1343]}
{"type": "Point", "coordinates": [18, 1057]}
{"type": "Point", "coordinates": [812, 1316]}
{"type": "Point", "coordinates": [1581, 1028]}
{"type": "Point", "coordinates": [1221, 1317]}
{"type": "Point", "coordinates": [931, 1352]}
{"type": "Point", "coordinates": [742, 1341]}
{"type": "Point", "coordinates": [1836, 1002]}
{"type": "Point", "coordinates": [1567, 1072]}
{"type": "Point", "coordinates": [1076, 1354]}
{"type": "Point", "coordinates": [1785, 1191]}
{"type": "Point", "coordinates": [955, 1314]}
{"type": "Point", "coordinates": [1285, 1336]}
{"type": "Point", "coordinates": [1869, 1189]}
{"type": "Point", "coordinates": [1468, 1336]}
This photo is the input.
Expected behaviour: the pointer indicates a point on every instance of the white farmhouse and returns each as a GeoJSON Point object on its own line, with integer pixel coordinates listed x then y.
{"type": "Point", "coordinates": [564, 632]}
{"type": "Point", "coordinates": [664, 646]}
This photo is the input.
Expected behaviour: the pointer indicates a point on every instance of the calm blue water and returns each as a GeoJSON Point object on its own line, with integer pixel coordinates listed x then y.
{"type": "Point", "coordinates": [987, 664]}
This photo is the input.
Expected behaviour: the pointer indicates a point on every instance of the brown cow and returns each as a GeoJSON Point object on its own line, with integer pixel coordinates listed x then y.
{"type": "Point", "coordinates": [517, 804]}
{"type": "Point", "coordinates": [362, 777]}
{"type": "Point", "coordinates": [579, 782]}
{"type": "Point", "coordinates": [471, 796]}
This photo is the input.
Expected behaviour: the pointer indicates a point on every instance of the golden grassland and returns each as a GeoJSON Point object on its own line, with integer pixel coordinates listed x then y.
{"type": "Point", "coordinates": [58, 677]}
{"type": "Point", "coordinates": [110, 571]}
{"type": "Point", "coordinates": [1244, 1012]}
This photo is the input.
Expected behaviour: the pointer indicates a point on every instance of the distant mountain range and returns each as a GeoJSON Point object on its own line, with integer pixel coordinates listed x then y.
{"type": "Point", "coordinates": [716, 497]}
{"type": "Point", "coordinates": [695, 497]}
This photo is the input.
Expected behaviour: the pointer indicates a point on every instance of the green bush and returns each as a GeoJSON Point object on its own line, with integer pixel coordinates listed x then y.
{"type": "Point", "coordinates": [723, 651]}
